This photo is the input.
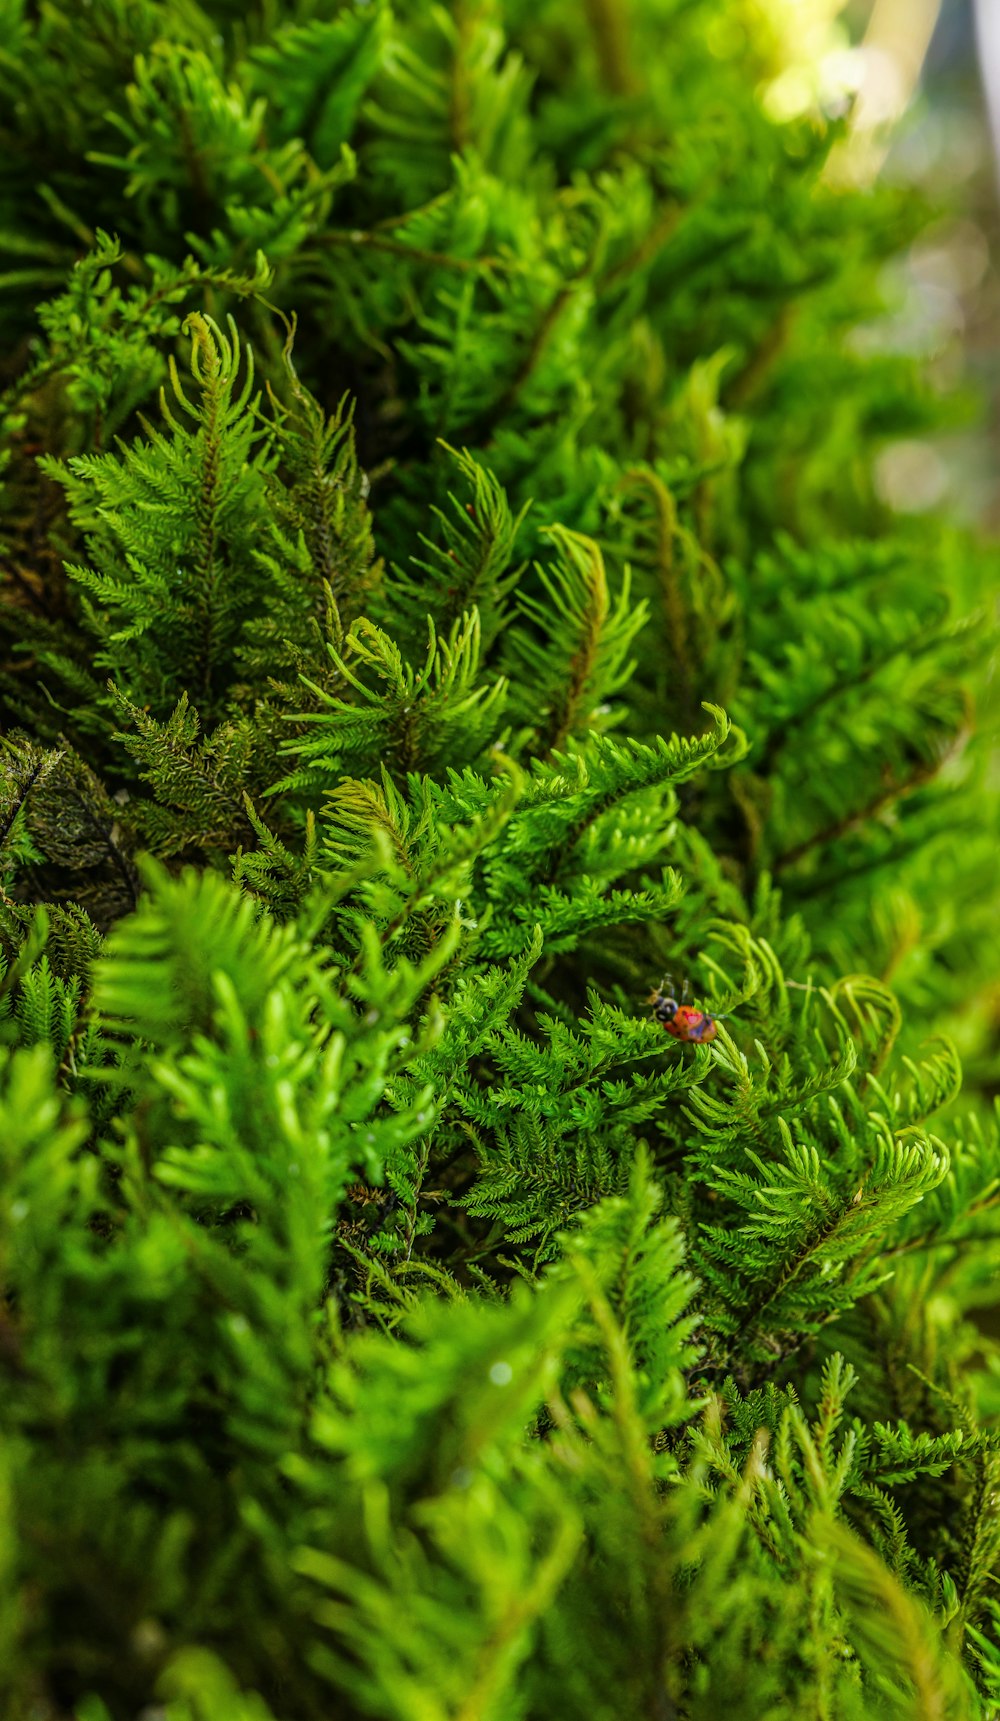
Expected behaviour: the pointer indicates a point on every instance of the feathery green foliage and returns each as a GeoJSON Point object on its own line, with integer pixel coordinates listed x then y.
{"type": "Point", "coordinates": [443, 596]}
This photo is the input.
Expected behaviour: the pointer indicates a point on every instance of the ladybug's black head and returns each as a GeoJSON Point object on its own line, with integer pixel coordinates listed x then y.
{"type": "Point", "coordinates": [664, 1007]}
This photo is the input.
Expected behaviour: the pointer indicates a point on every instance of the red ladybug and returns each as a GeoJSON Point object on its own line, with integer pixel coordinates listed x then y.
{"type": "Point", "coordinates": [683, 1021]}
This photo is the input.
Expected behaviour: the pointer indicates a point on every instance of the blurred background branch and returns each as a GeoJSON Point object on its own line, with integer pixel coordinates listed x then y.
{"type": "Point", "coordinates": [887, 69]}
{"type": "Point", "coordinates": [988, 37]}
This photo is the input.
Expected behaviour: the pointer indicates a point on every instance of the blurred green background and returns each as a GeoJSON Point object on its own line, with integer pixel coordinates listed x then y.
{"type": "Point", "coordinates": [915, 69]}
{"type": "Point", "coordinates": [907, 75]}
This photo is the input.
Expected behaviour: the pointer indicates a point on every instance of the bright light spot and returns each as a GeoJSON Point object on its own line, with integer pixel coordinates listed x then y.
{"type": "Point", "coordinates": [953, 258]}
{"type": "Point", "coordinates": [840, 76]}
{"type": "Point", "coordinates": [792, 93]}
{"type": "Point", "coordinates": [842, 71]}
{"type": "Point", "coordinates": [882, 87]}
{"type": "Point", "coordinates": [501, 1374]}
{"type": "Point", "coordinates": [910, 477]}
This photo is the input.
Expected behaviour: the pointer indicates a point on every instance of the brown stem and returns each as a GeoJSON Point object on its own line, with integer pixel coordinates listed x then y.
{"type": "Point", "coordinates": [7, 826]}
{"type": "Point", "coordinates": [744, 386]}
{"type": "Point", "coordinates": [360, 240]}
{"type": "Point", "coordinates": [531, 359]}
{"type": "Point", "coordinates": [662, 229]}
{"type": "Point", "coordinates": [897, 791]}
{"type": "Point", "coordinates": [117, 858]}
{"type": "Point", "coordinates": [792, 1272]}
{"type": "Point", "coordinates": [674, 612]}
{"type": "Point", "coordinates": [609, 26]}
{"type": "Point", "coordinates": [917, 645]}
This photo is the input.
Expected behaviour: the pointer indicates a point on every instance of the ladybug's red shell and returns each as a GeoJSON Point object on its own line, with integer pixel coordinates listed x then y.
{"type": "Point", "coordinates": [690, 1024]}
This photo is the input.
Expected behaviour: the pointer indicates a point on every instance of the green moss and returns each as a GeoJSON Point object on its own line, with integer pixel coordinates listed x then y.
{"type": "Point", "coordinates": [443, 595]}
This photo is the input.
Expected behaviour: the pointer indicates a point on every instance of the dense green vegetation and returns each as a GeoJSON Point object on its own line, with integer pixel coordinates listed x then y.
{"type": "Point", "coordinates": [443, 594]}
